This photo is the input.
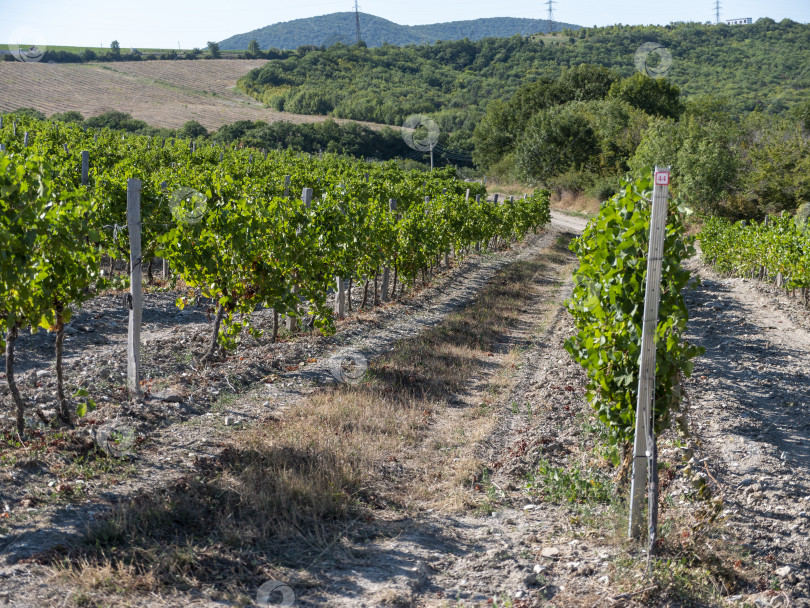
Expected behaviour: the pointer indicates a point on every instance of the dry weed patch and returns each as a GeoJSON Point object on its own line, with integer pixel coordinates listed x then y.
{"type": "Point", "coordinates": [577, 202]}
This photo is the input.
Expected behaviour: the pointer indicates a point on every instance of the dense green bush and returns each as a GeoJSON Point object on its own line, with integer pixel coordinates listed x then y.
{"type": "Point", "coordinates": [608, 311]}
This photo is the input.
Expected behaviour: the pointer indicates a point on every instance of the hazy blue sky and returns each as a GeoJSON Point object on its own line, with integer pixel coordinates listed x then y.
{"type": "Point", "coordinates": [165, 23]}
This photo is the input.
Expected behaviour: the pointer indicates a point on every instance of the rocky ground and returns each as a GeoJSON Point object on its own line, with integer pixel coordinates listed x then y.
{"type": "Point", "coordinates": [549, 524]}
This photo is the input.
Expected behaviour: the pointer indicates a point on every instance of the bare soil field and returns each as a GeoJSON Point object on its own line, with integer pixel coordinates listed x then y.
{"type": "Point", "coordinates": [162, 93]}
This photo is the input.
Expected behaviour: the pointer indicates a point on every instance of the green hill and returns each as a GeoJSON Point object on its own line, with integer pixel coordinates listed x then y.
{"type": "Point", "coordinates": [327, 30]}
{"type": "Point", "coordinates": [764, 66]}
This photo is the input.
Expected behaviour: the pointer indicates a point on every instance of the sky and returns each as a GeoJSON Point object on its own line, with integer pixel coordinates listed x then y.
{"type": "Point", "coordinates": [192, 23]}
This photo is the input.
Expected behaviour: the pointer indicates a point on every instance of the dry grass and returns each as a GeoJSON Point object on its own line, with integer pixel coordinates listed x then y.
{"type": "Point", "coordinates": [508, 188]}
{"type": "Point", "coordinates": [286, 492]}
{"type": "Point", "coordinates": [577, 202]}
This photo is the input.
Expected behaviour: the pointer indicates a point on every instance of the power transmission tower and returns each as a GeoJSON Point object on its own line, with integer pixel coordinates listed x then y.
{"type": "Point", "coordinates": [716, 11]}
{"type": "Point", "coordinates": [357, 20]}
{"type": "Point", "coordinates": [550, 19]}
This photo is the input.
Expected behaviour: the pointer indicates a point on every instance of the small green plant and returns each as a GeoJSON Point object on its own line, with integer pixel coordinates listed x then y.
{"type": "Point", "coordinates": [575, 485]}
{"type": "Point", "coordinates": [88, 405]}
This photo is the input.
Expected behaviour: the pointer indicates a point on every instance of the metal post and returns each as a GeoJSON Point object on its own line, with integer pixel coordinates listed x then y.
{"type": "Point", "coordinates": [646, 377]}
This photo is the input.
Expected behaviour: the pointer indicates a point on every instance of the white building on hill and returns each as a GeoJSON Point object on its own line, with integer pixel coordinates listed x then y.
{"type": "Point", "coordinates": [744, 21]}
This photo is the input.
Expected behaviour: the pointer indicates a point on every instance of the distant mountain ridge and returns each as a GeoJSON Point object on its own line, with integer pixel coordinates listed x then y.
{"type": "Point", "coordinates": [327, 30]}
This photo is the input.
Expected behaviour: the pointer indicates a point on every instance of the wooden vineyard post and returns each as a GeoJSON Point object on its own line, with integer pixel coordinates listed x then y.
{"type": "Point", "coordinates": [85, 167]}
{"type": "Point", "coordinates": [135, 312]}
{"type": "Point", "coordinates": [306, 195]}
{"type": "Point", "coordinates": [644, 440]}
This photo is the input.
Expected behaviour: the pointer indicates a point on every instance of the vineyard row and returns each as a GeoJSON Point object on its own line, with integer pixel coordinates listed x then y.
{"type": "Point", "coordinates": [226, 222]}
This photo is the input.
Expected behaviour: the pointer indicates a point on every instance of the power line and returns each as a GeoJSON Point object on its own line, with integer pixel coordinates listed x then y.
{"type": "Point", "coordinates": [550, 17]}
{"type": "Point", "coordinates": [357, 20]}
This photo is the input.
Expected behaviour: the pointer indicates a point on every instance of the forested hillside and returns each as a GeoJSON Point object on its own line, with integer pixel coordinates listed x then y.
{"type": "Point", "coordinates": [764, 66]}
{"type": "Point", "coordinates": [327, 30]}
{"type": "Point", "coordinates": [729, 115]}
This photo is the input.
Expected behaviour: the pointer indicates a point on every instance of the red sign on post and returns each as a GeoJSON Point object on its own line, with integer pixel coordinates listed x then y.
{"type": "Point", "coordinates": [662, 178]}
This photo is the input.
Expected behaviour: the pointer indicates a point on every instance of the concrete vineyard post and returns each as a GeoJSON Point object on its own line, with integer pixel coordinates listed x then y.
{"type": "Point", "coordinates": [287, 186]}
{"type": "Point", "coordinates": [392, 207]}
{"type": "Point", "coordinates": [85, 167]}
{"type": "Point", "coordinates": [164, 186]}
{"type": "Point", "coordinates": [644, 440]}
{"type": "Point", "coordinates": [2, 147]}
{"type": "Point", "coordinates": [340, 294]}
{"type": "Point", "coordinates": [65, 148]}
{"type": "Point", "coordinates": [306, 196]}
{"type": "Point", "coordinates": [477, 201]}
{"type": "Point", "coordinates": [25, 140]}
{"type": "Point", "coordinates": [135, 312]}
{"type": "Point", "coordinates": [340, 298]}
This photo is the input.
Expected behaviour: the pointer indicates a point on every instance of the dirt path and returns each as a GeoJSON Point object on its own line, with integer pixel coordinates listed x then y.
{"type": "Point", "coordinates": [170, 450]}
{"type": "Point", "coordinates": [522, 547]}
{"type": "Point", "coordinates": [751, 393]}
{"type": "Point", "coordinates": [750, 419]}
